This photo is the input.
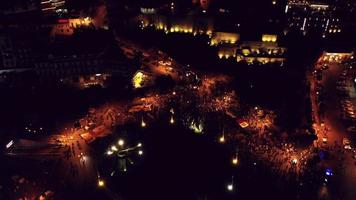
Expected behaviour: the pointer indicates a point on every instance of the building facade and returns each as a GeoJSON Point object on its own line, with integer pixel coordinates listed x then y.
{"type": "Point", "coordinates": [53, 7]}
{"type": "Point", "coordinates": [313, 17]}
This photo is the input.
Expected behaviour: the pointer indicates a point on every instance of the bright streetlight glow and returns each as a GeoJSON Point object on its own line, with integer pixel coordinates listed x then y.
{"type": "Point", "coordinates": [101, 183]}
{"type": "Point", "coordinates": [109, 153]}
{"type": "Point", "coordinates": [9, 144]}
{"type": "Point", "coordinates": [114, 148]}
{"type": "Point", "coordinates": [121, 142]}
{"type": "Point", "coordinates": [222, 139]}
{"type": "Point", "coordinates": [143, 124]}
{"type": "Point", "coordinates": [140, 152]}
{"type": "Point", "coordinates": [171, 120]}
{"type": "Point", "coordinates": [139, 145]}
{"type": "Point", "coordinates": [235, 161]}
{"type": "Point", "coordinates": [230, 187]}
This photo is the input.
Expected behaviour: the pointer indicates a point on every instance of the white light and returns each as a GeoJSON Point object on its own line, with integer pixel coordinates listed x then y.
{"type": "Point", "coordinates": [230, 187]}
{"type": "Point", "coordinates": [171, 120]}
{"type": "Point", "coordinates": [121, 142]}
{"type": "Point", "coordinates": [109, 153]}
{"type": "Point", "coordinates": [114, 148]}
{"type": "Point", "coordinates": [140, 152]}
{"type": "Point", "coordinates": [9, 144]}
{"type": "Point", "coordinates": [143, 124]}
{"type": "Point", "coordinates": [139, 145]}
{"type": "Point", "coordinates": [305, 21]}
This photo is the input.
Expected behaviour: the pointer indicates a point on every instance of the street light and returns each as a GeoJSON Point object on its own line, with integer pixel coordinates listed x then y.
{"type": "Point", "coordinates": [140, 152]}
{"type": "Point", "coordinates": [114, 148]}
{"type": "Point", "coordinates": [235, 161]}
{"type": "Point", "coordinates": [139, 145]}
{"type": "Point", "coordinates": [143, 124]}
{"type": "Point", "coordinates": [101, 183]}
{"type": "Point", "coordinates": [230, 186]}
{"type": "Point", "coordinates": [222, 139]}
{"type": "Point", "coordinates": [121, 142]}
{"type": "Point", "coordinates": [171, 120]}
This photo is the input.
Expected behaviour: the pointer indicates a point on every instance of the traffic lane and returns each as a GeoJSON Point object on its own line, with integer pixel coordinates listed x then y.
{"type": "Point", "coordinates": [332, 105]}
{"type": "Point", "coordinates": [338, 132]}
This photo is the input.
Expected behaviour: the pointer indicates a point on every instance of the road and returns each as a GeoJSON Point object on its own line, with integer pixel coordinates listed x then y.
{"type": "Point", "coordinates": [331, 126]}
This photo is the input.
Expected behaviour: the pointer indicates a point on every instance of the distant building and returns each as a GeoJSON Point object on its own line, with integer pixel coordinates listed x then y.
{"type": "Point", "coordinates": [178, 24]}
{"type": "Point", "coordinates": [224, 37]}
{"type": "Point", "coordinates": [53, 7]}
{"type": "Point", "coordinates": [66, 27]}
{"type": "Point", "coordinates": [263, 52]}
{"type": "Point", "coordinates": [313, 17]}
{"type": "Point", "coordinates": [335, 56]}
{"type": "Point", "coordinates": [15, 52]}
{"type": "Point", "coordinates": [20, 6]}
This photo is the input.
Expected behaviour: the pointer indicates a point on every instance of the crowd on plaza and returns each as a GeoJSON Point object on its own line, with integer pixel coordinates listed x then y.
{"type": "Point", "coordinates": [282, 158]}
{"type": "Point", "coordinates": [207, 96]}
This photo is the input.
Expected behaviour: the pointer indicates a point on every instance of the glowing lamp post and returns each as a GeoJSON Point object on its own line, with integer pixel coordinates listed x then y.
{"type": "Point", "coordinates": [171, 120]}
{"type": "Point", "coordinates": [235, 161]}
{"type": "Point", "coordinates": [143, 123]}
{"type": "Point", "coordinates": [101, 183]}
{"type": "Point", "coordinates": [222, 139]}
{"type": "Point", "coordinates": [230, 186]}
{"type": "Point", "coordinates": [121, 142]}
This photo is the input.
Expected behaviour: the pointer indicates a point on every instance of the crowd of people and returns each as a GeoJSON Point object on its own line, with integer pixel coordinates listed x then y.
{"type": "Point", "coordinates": [282, 157]}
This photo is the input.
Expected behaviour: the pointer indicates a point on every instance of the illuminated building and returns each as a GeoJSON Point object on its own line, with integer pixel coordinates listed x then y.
{"type": "Point", "coordinates": [337, 57]}
{"type": "Point", "coordinates": [260, 52]}
{"type": "Point", "coordinates": [307, 16]}
{"type": "Point", "coordinates": [66, 27]}
{"type": "Point", "coordinates": [227, 51]}
{"type": "Point", "coordinates": [138, 80]}
{"type": "Point", "coordinates": [224, 38]}
{"type": "Point", "coordinates": [148, 10]}
{"type": "Point", "coordinates": [263, 52]}
{"type": "Point", "coordinates": [269, 38]}
{"type": "Point", "coordinates": [189, 25]}
{"type": "Point", "coordinates": [142, 79]}
{"type": "Point", "coordinates": [53, 7]}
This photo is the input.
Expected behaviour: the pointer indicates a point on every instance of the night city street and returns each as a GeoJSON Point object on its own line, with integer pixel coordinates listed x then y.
{"type": "Point", "coordinates": [168, 99]}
